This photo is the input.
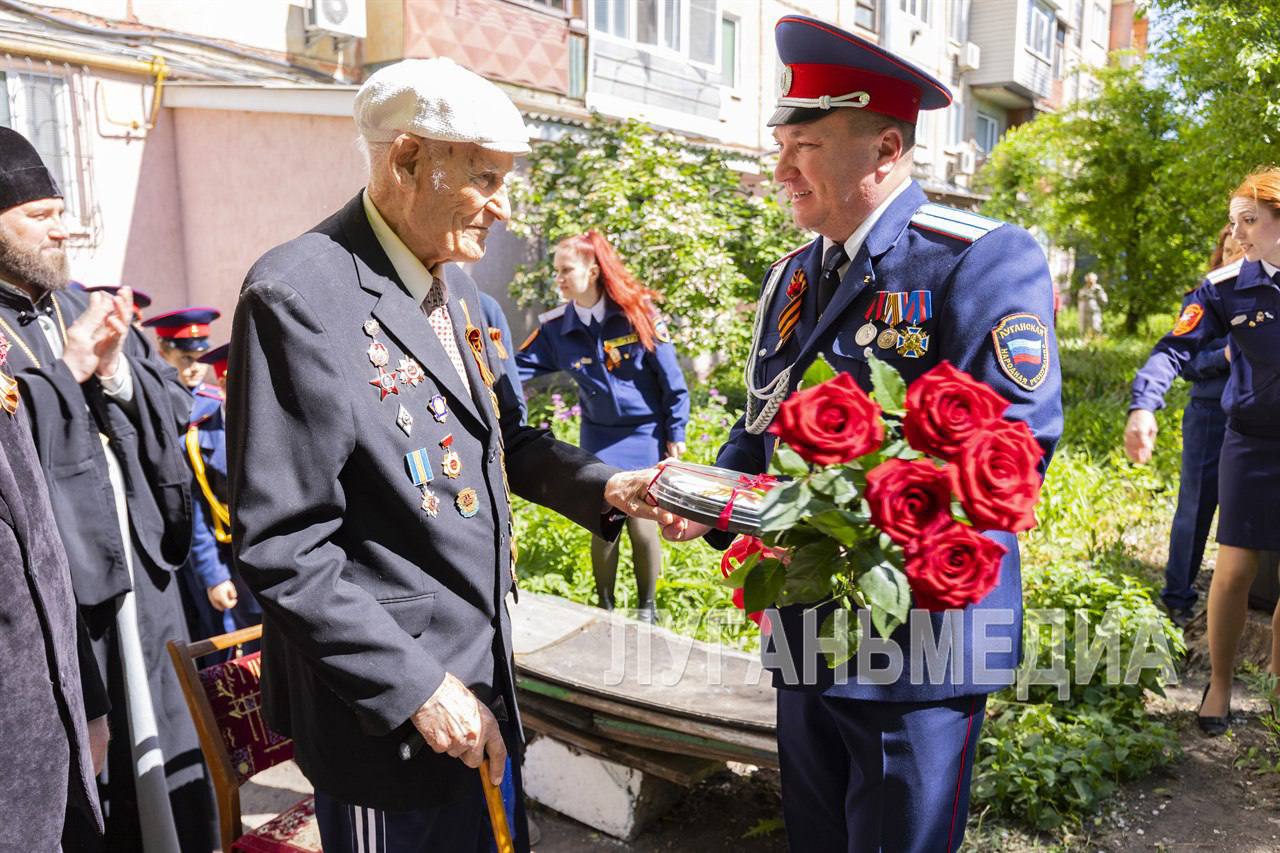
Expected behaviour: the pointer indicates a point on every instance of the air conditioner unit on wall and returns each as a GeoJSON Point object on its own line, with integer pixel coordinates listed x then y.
{"type": "Point", "coordinates": [970, 57]}
{"type": "Point", "coordinates": [337, 17]}
{"type": "Point", "coordinates": [967, 163]}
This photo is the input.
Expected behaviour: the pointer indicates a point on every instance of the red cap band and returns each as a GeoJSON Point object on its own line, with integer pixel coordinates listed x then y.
{"type": "Point", "coordinates": [186, 330]}
{"type": "Point", "coordinates": [889, 95]}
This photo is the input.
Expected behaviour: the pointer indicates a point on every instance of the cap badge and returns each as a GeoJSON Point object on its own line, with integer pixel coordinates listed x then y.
{"type": "Point", "coordinates": [784, 81]}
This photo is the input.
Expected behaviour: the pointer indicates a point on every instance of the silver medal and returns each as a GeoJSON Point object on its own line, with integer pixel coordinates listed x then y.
{"type": "Point", "coordinates": [865, 334]}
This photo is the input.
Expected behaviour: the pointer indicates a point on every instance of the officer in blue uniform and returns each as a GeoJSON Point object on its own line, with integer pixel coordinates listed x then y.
{"type": "Point", "coordinates": [878, 754]}
{"type": "Point", "coordinates": [635, 404]}
{"type": "Point", "coordinates": [210, 593]}
{"type": "Point", "coordinates": [1203, 425]}
{"type": "Point", "coordinates": [1241, 301]}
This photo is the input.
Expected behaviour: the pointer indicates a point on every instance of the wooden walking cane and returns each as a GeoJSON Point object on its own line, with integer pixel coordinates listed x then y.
{"type": "Point", "coordinates": [410, 747]}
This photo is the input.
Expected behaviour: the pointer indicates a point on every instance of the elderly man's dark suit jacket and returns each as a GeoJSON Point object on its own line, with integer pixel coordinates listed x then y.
{"type": "Point", "coordinates": [44, 747]}
{"type": "Point", "coordinates": [368, 600]}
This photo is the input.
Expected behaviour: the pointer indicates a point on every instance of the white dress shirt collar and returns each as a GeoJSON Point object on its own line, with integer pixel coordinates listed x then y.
{"type": "Point", "coordinates": [595, 312]}
{"type": "Point", "coordinates": [859, 236]}
{"type": "Point", "coordinates": [417, 278]}
{"type": "Point", "coordinates": [1269, 270]}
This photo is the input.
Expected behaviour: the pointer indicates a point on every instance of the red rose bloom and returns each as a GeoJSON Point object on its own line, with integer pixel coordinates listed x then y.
{"type": "Point", "coordinates": [952, 565]}
{"type": "Point", "coordinates": [830, 423]}
{"type": "Point", "coordinates": [906, 497]}
{"type": "Point", "coordinates": [997, 478]}
{"type": "Point", "coordinates": [945, 408]}
{"type": "Point", "coordinates": [734, 556]}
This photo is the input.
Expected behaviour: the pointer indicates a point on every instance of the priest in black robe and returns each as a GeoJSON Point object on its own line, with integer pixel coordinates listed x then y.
{"type": "Point", "coordinates": [106, 417]}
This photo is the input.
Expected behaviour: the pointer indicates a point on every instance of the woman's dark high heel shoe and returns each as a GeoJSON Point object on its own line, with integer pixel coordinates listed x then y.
{"type": "Point", "coordinates": [1213, 726]}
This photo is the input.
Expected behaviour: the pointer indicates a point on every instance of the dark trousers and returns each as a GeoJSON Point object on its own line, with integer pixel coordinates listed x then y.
{"type": "Point", "coordinates": [865, 777]}
{"type": "Point", "coordinates": [460, 826]}
{"type": "Point", "coordinates": [1203, 426]}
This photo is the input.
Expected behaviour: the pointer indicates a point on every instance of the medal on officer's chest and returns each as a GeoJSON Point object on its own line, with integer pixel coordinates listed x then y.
{"type": "Point", "coordinates": [468, 502]}
{"type": "Point", "coordinates": [438, 408]}
{"type": "Point", "coordinates": [451, 462]}
{"type": "Point", "coordinates": [866, 334]}
{"type": "Point", "coordinates": [912, 342]}
{"type": "Point", "coordinates": [888, 339]}
{"type": "Point", "coordinates": [790, 315]}
{"type": "Point", "coordinates": [418, 465]}
{"type": "Point", "coordinates": [404, 420]}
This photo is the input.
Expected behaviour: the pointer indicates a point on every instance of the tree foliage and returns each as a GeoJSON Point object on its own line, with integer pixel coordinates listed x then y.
{"type": "Point", "coordinates": [678, 213]}
{"type": "Point", "coordinates": [1137, 177]}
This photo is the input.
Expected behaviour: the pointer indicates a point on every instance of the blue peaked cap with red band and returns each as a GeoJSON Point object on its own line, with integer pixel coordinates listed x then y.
{"type": "Point", "coordinates": [826, 68]}
{"type": "Point", "coordinates": [185, 329]}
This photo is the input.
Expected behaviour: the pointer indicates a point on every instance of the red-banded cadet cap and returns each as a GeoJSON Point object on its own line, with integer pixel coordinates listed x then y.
{"type": "Point", "coordinates": [218, 358]}
{"type": "Point", "coordinates": [140, 299]}
{"type": "Point", "coordinates": [185, 329]}
{"type": "Point", "coordinates": [825, 67]}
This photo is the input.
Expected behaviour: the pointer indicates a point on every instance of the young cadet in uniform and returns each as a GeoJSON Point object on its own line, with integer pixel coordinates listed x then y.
{"type": "Point", "coordinates": [634, 400]}
{"type": "Point", "coordinates": [1203, 426]}
{"type": "Point", "coordinates": [1242, 301]}
{"type": "Point", "coordinates": [881, 760]}
{"type": "Point", "coordinates": [371, 452]}
{"type": "Point", "coordinates": [209, 593]}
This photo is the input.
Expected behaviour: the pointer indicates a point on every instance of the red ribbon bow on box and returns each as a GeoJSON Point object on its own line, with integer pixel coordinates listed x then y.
{"type": "Point", "coordinates": [758, 481]}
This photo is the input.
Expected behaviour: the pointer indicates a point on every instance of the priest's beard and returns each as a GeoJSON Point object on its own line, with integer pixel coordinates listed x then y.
{"type": "Point", "coordinates": [43, 271]}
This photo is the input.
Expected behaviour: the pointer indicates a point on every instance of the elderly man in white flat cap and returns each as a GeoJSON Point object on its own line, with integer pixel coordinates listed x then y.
{"type": "Point", "coordinates": [372, 457]}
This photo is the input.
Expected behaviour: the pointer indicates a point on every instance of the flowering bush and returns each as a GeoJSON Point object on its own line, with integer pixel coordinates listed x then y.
{"type": "Point", "coordinates": [888, 497]}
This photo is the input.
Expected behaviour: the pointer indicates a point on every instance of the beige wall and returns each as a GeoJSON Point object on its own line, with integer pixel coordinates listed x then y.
{"type": "Point", "coordinates": [250, 181]}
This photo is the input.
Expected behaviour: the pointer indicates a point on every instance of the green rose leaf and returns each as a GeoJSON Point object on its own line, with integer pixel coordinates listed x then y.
{"type": "Point", "coordinates": [840, 525]}
{"type": "Point", "coordinates": [809, 573]}
{"type": "Point", "coordinates": [888, 595]}
{"type": "Point", "coordinates": [836, 483]}
{"type": "Point", "coordinates": [838, 637]}
{"type": "Point", "coordinates": [888, 388]}
{"type": "Point", "coordinates": [788, 463]}
{"type": "Point", "coordinates": [763, 585]}
{"type": "Point", "coordinates": [784, 507]}
{"type": "Point", "coordinates": [817, 373]}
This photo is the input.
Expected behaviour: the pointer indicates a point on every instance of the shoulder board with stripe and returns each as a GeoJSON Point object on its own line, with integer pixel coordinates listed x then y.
{"type": "Point", "coordinates": [213, 392]}
{"type": "Point", "coordinates": [558, 311]}
{"type": "Point", "coordinates": [1221, 274]}
{"type": "Point", "coordinates": [789, 255]}
{"type": "Point", "coordinates": [952, 222]}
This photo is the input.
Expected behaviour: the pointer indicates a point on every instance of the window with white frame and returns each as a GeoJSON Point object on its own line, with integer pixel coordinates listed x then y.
{"type": "Point", "coordinates": [986, 131]}
{"type": "Point", "coordinates": [691, 28]}
{"type": "Point", "coordinates": [39, 107]}
{"type": "Point", "coordinates": [866, 14]}
{"type": "Point", "coordinates": [916, 8]}
{"type": "Point", "coordinates": [1059, 51]}
{"type": "Point", "coordinates": [958, 20]}
{"type": "Point", "coordinates": [729, 51]}
{"type": "Point", "coordinates": [1101, 26]}
{"type": "Point", "coordinates": [955, 124]}
{"type": "Point", "coordinates": [1040, 24]}
{"type": "Point", "coordinates": [1079, 21]}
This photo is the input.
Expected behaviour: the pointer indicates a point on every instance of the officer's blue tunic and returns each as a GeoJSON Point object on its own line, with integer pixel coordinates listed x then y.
{"type": "Point", "coordinates": [846, 743]}
{"type": "Point", "coordinates": [1242, 301]}
{"type": "Point", "coordinates": [499, 332]}
{"type": "Point", "coordinates": [209, 562]}
{"type": "Point", "coordinates": [629, 413]}
{"type": "Point", "coordinates": [1203, 426]}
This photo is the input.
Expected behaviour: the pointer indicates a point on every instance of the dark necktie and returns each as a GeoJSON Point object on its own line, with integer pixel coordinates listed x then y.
{"type": "Point", "coordinates": [835, 258]}
{"type": "Point", "coordinates": [594, 327]}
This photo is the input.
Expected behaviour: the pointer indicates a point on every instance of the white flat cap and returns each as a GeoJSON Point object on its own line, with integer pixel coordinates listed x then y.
{"type": "Point", "coordinates": [439, 99]}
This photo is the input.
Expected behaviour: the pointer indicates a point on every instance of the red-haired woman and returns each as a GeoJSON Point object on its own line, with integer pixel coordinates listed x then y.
{"type": "Point", "coordinates": [607, 336]}
{"type": "Point", "coordinates": [1242, 301]}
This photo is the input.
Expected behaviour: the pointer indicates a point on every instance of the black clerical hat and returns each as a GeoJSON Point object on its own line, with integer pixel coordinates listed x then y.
{"type": "Point", "coordinates": [23, 176]}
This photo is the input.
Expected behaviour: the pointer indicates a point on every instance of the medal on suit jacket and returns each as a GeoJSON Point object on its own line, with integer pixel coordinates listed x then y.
{"type": "Point", "coordinates": [451, 462]}
{"type": "Point", "coordinates": [410, 372]}
{"type": "Point", "coordinates": [385, 383]}
{"type": "Point", "coordinates": [791, 312]}
{"type": "Point", "coordinates": [468, 502]}
{"type": "Point", "coordinates": [438, 408]}
{"type": "Point", "coordinates": [404, 420]}
{"type": "Point", "coordinates": [417, 464]}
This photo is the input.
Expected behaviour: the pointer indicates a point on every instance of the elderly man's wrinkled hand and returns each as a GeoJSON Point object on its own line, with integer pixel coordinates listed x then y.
{"type": "Point", "coordinates": [455, 722]}
{"type": "Point", "coordinates": [629, 492]}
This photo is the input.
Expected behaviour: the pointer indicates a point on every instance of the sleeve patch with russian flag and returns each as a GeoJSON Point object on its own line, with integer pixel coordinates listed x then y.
{"type": "Point", "coordinates": [1022, 349]}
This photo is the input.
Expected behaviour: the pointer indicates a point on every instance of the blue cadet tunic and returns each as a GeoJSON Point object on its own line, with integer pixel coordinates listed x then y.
{"type": "Point", "coordinates": [499, 334]}
{"type": "Point", "coordinates": [633, 401]}
{"type": "Point", "coordinates": [929, 283]}
{"type": "Point", "coordinates": [209, 563]}
{"type": "Point", "coordinates": [1241, 300]}
{"type": "Point", "coordinates": [1203, 426]}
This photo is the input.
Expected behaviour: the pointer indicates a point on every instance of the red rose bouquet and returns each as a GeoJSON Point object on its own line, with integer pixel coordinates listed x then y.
{"type": "Point", "coordinates": [888, 498]}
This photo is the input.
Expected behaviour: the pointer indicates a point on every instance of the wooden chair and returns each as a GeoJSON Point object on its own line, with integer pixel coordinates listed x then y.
{"type": "Point", "coordinates": [225, 701]}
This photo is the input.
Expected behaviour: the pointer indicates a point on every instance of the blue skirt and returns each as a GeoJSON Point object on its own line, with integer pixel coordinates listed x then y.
{"type": "Point", "coordinates": [626, 446]}
{"type": "Point", "coordinates": [1249, 491]}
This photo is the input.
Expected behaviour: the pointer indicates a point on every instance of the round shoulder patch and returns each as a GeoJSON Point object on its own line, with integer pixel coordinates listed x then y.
{"type": "Point", "coordinates": [1188, 319]}
{"type": "Point", "coordinates": [1022, 349]}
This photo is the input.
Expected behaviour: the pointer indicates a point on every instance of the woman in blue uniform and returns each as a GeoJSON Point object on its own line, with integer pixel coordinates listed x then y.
{"type": "Point", "coordinates": [1241, 300]}
{"type": "Point", "coordinates": [1203, 426]}
{"type": "Point", "coordinates": [635, 405]}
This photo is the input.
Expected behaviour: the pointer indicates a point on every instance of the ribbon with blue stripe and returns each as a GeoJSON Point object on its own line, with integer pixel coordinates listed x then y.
{"type": "Point", "coordinates": [418, 464]}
